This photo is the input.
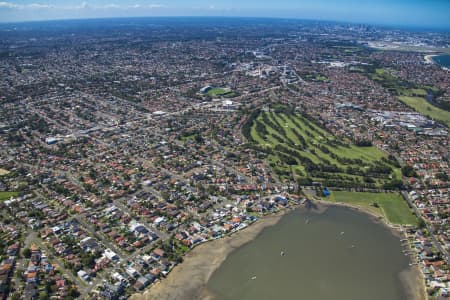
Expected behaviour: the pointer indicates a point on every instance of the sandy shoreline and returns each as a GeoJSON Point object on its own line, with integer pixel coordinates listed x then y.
{"type": "Point", "coordinates": [414, 284]}
{"type": "Point", "coordinates": [429, 58]}
{"type": "Point", "coordinates": [188, 280]}
{"type": "Point", "coordinates": [374, 216]}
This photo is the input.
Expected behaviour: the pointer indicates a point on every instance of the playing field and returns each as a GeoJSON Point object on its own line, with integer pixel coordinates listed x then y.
{"type": "Point", "coordinates": [390, 205]}
{"type": "Point", "coordinates": [7, 195]}
{"type": "Point", "coordinates": [220, 92]}
{"type": "Point", "coordinates": [422, 106]}
{"type": "Point", "coordinates": [412, 95]}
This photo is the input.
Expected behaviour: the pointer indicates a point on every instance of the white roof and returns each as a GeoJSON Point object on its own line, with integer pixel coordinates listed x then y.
{"type": "Point", "coordinates": [159, 220]}
{"type": "Point", "coordinates": [110, 254]}
{"type": "Point", "coordinates": [85, 239]}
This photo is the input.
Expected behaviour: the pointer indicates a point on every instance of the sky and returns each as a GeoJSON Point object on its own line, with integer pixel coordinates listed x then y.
{"type": "Point", "coordinates": [416, 13]}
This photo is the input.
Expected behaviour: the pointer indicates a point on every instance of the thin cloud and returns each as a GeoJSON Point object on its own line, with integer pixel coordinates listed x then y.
{"type": "Point", "coordinates": [82, 5]}
{"type": "Point", "coordinates": [38, 5]}
{"type": "Point", "coordinates": [9, 5]}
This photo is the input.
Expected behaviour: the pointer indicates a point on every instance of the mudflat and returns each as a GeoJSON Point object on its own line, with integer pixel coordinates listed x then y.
{"type": "Point", "coordinates": [188, 280]}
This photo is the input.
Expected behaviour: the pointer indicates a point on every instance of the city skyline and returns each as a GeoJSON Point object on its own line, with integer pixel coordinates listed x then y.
{"type": "Point", "coordinates": [416, 13]}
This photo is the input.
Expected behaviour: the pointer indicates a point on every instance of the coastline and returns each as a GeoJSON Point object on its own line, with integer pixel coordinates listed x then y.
{"type": "Point", "coordinates": [411, 278]}
{"type": "Point", "coordinates": [188, 280]}
{"type": "Point", "coordinates": [429, 58]}
{"type": "Point", "coordinates": [395, 229]}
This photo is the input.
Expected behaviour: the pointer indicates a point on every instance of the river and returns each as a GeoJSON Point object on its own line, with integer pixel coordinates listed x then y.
{"type": "Point", "coordinates": [336, 254]}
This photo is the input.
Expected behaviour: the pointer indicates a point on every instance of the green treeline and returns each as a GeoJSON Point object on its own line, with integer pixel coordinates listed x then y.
{"type": "Point", "coordinates": [298, 148]}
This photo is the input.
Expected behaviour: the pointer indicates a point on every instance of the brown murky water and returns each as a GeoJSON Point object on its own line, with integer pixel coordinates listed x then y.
{"type": "Point", "coordinates": [339, 254]}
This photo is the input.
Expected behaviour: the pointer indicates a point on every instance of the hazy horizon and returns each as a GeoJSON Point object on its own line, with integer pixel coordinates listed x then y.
{"type": "Point", "coordinates": [413, 13]}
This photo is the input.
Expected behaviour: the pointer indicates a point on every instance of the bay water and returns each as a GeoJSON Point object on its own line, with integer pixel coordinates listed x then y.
{"type": "Point", "coordinates": [338, 254]}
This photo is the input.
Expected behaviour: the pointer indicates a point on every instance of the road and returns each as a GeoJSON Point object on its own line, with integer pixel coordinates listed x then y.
{"type": "Point", "coordinates": [65, 272]}
{"type": "Point", "coordinates": [31, 236]}
{"type": "Point", "coordinates": [429, 228]}
{"type": "Point", "coordinates": [22, 262]}
{"type": "Point", "coordinates": [122, 207]}
{"type": "Point", "coordinates": [100, 238]}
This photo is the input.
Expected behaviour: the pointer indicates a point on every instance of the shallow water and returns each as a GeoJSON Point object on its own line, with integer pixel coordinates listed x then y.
{"type": "Point", "coordinates": [339, 254]}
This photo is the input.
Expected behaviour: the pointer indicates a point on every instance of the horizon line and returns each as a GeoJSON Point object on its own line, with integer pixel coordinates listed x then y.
{"type": "Point", "coordinates": [382, 25]}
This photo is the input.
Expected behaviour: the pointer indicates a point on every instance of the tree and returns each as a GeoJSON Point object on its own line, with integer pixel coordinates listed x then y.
{"type": "Point", "coordinates": [73, 292]}
{"type": "Point", "coordinates": [88, 260]}
{"type": "Point", "coordinates": [26, 252]}
{"type": "Point", "coordinates": [19, 272]}
{"type": "Point", "coordinates": [393, 184]}
{"type": "Point", "coordinates": [369, 179]}
{"type": "Point", "coordinates": [408, 171]}
{"type": "Point", "coordinates": [363, 143]}
{"type": "Point", "coordinates": [421, 223]}
{"type": "Point", "coordinates": [43, 295]}
{"type": "Point", "coordinates": [15, 296]}
{"type": "Point", "coordinates": [198, 138]}
{"type": "Point", "coordinates": [442, 176]}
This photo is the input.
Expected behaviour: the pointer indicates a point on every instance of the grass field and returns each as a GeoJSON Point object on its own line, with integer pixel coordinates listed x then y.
{"type": "Point", "coordinates": [220, 92]}
{"type": "Point", "coordinates": [299, 149]}
{"type": "Point", "coordinates": [422, 106]}
{"type": "Point", "coordinates": [315, 77]}
{"type": "Point", "coordinates": [391, 205]}
{"type": "Point", "coordinates": [7, 195]}
{"type": "Point", "coordinates": [412, 95]}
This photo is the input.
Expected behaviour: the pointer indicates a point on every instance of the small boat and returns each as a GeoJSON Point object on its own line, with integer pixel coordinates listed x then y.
{"type": "Point", "coordinates": [342, 233]}
{"type": "Point", "coordinates": [281, 253]}
{"type": "Point", "coordinates": [307, 221]}
{"type": "Point", "coordinates": [352, 246]}
{"type": "Point", "coordinates": [254, 277]}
